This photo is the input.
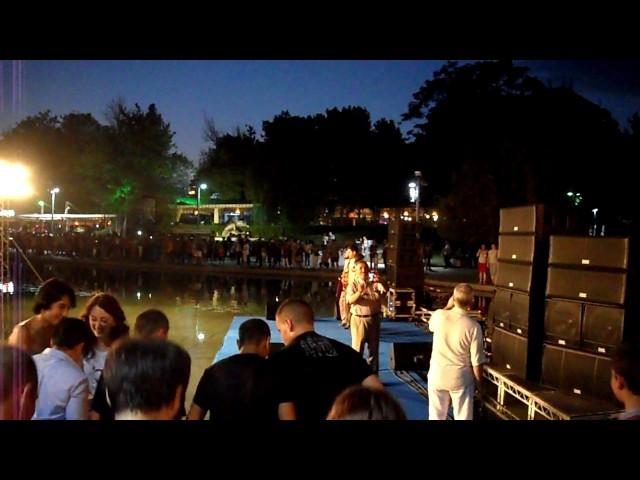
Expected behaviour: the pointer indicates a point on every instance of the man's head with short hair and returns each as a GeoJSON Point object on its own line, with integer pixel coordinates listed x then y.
{"type": "Point", "coordinates": [152, 323]}
{"type": "Point", "coordinates": [70, 336]}
{"type": "Point", "coordinates": [147, 378]}
{"type": "Point", "coordinates": [625, 372]}
{"type": "Point", "coordinates": [254, 336]}
{"type": "Point", "coordinates": [294, 317]}
{"type": "Point", "coordinates": [362, 403]}
{"type": "Point", "coordinates": [18, 384]}
{"type": "Point", "coordinates": [350, 250]}
{"type": "Point", "coordinates": [463, 296]}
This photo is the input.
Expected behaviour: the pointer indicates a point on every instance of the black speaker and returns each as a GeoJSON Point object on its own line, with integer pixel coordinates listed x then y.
{"type": "Point", "coordinates": [271, 309]}
{"type": "Point", "coordinates": [514, 276]}
{"type": "Point", "coordinates": [577, 372]}
{"type": "Point", "coordinates": [563, 322]}
{"type": "Point", "coordinates": [602, 329]}
{"type": "Point", "coordinates": [509, 351]}
{"type": "Point", "coordinates": [509, 310]}
{"type": "Point", "coordinates": [406, 277]}
{"type": "Point", "coordinates": [602, 252]}
{"type": "Point", "coordinates": [586, 285]}
{"type": "Point", "coordinates": [521, 219]}
{"type": "Point", "coordinates": [516, 248]}
{"type": "Point", "coordinates": [410, 356]}
{"type": "Point", "coordinates": [403, 242]}
{"type": "Point", "coordinates": [500, 308]}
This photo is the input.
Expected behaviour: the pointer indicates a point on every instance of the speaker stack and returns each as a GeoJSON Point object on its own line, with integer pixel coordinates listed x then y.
{"type": "Point", "coordinates": [516, 311]}
{"type": "Point", "coordinates": [404, 268]}
{"type": "Point", "coordinates": [584, 312]}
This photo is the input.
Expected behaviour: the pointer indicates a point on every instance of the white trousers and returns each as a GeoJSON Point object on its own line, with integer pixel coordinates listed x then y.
{"type": "Point", "coordinates": [462, 401]}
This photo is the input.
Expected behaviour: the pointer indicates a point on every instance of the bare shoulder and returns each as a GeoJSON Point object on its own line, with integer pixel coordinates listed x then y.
{"type": "Point", "coordinates": [21, 334]}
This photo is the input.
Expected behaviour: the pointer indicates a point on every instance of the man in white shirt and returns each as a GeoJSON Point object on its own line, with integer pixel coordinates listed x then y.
{"type": "Point", "coordinates": [63, 388]}
{"type": "Point", "coordinates": [493, 263]}
{"type": "Point", "coordinates": [456, 359]}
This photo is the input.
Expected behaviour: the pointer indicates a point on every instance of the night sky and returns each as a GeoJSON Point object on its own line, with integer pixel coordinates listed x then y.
{"type": "Point", "coordinates": [235, 93]}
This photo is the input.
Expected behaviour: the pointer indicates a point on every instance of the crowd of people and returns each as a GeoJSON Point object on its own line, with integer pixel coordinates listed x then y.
{"type": "Point", "coordinates": [55, 366]}
{"type": "Point", "coordinates": [190, 250]}
{"type": "Point", "coordinates": [59, 367]}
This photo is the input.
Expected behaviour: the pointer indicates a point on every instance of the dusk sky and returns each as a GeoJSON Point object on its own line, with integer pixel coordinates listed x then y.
{"type": "Point", "coordinates": [235, 93]}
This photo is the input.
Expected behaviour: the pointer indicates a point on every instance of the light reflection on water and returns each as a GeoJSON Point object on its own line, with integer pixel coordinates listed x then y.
{"type": "Point", "coordinates": [200, 307]}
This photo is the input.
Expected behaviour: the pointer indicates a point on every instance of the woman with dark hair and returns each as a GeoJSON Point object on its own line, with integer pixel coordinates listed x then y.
{"type": "Point", "coordinates": [53, 301]}
{"type": "Point", "coordinates": [107, 321]}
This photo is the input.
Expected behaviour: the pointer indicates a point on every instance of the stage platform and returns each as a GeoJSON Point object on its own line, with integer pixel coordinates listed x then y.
{"type": "Point", "coordinates": [410, 390]}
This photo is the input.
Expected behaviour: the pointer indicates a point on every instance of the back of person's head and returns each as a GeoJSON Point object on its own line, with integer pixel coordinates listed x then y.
{"type": "Point", "coordinates": [147, 376]}
{"type": "Point", "coordinates": [18, 384]}
{"type": "Point", "coordinates": [362, 403]}
{"type": "Point", "coordinates": [463, 295]}
{"type": "Point", "coordinates": [52, 291]}
{"type": "Point", "coordinates": [253, 331]}
{"type": "Point", "coordinates": [296, 310]}
{"type": "Point", "coordinates": [626, 364]}
{"type": "Point", "coordinates": [70, 333]}
{"type": "Point", "coordinates": [152, 323]}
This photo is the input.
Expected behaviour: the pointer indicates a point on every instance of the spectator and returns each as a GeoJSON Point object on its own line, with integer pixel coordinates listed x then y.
{"type": "Point", "coordinates": [625, 378]}
{"type": "Point", "coordinates": [146, 379]}
{"type": "Point", "coordinates": [18, 384]}
{"type": "Point", "coordinates": [63, 388]}
{"type": "Point", "coordinates": [240, 387]}
{"type": "Point", "coordinates": [456, 358]}
{"type": "Point", "coordinates": [362, 403]}
{"type": "Point", "coordinates": [52, 303]}
{"type": "Point", "coordinates": [312, 369]}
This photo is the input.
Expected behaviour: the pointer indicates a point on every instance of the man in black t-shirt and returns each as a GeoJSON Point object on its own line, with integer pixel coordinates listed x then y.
{"type": "Point", "coordinates": [312, 370]}
{"type": "Point", "coordinates": [240, 387]}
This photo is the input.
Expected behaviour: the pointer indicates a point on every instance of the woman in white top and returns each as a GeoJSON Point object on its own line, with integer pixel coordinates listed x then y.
{"type": "Point", "coordinates": [108, 324]}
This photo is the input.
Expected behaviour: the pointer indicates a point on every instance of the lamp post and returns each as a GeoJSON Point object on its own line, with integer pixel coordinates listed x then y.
{"type": "Point", "coordinates": [54, 191]}
{"type": "Point", "coordinates": [202, 186]}
{"type": "Point", "coordinates": [41, 204]}
{"type": "Point", "coordinates": [418, 181]}
{"type": "Point", "coordinates": [414, 192]}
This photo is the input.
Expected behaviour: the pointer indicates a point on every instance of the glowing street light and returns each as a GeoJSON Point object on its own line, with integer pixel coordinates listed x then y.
{"type": "Point", "coordinates": [414, 192]}
{"type": "Point", "coordinates": [14, 181]}
{"type": "Point", "coordinates": [54, 191]}
{"type": "Point", "coordinates": [202, 186]}
{"type": "Point", "coordinates": [41, 204]}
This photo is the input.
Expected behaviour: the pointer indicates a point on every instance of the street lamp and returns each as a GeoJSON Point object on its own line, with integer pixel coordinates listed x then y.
{"type": "Point", "coordinates": [202, 186]}
{"type": "Point", "coordinates": [418, 175]}
{"type": "Point", "coordinates": [53, 192]}
{"type": "Point", "coordinates": [414, 192]}
{"type": "Point", "coordinates": [41, 204]}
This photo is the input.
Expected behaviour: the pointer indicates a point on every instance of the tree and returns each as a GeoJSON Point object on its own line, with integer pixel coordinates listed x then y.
{"type": "Point", "coordinates": [495, 121]}
{"type": "Point", "coordinates": [144, 162]}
